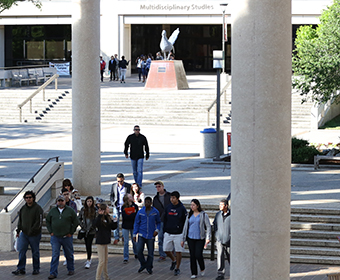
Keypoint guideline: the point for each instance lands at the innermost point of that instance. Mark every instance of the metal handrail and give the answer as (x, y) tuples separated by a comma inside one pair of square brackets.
[(31, 180), (42, 87), (24, 67), (224, 89)]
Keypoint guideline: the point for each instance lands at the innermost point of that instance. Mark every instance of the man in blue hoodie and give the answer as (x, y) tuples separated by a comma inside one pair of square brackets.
[(147, 225), (174, 219)]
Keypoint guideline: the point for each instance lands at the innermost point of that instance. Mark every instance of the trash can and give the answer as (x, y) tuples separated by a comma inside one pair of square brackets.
[(208, 148)]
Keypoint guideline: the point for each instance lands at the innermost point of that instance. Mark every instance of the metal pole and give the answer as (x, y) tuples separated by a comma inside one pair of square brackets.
[(218, 95)]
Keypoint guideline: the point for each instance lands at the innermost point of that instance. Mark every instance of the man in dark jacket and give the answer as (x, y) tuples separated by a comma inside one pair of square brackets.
[(118, 190), (137, 143), (29, 224), (174, 219), (160, 202), (61, 223), (112, 67)]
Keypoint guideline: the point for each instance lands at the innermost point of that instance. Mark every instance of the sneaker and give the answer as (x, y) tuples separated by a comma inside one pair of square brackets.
[(219, 277), (51, 276), (88, 264), (177, 272), (141, 269), (115, 242), (161, 259), (202, 273), (193, 276), (173, 265), (35, 272), (149, 270), (65, 263), (125, 261), (19, 272)]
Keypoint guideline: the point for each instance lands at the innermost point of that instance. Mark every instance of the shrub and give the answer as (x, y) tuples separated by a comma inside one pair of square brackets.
[(302, 152)]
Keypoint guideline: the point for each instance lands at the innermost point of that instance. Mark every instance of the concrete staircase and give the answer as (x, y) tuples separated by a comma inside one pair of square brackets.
[(129, 106), (313, 236)]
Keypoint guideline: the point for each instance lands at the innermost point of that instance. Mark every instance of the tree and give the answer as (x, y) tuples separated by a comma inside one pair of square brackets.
[(316, 58), (6, 4)]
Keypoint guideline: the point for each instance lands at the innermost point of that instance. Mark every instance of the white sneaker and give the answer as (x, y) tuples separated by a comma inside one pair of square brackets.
[(88, 264), (193, 276), (65, 263), (202, 272)]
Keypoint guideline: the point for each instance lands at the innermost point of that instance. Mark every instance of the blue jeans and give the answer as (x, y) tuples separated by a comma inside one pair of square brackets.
[(126, 243), (150, 244), (160, 241), (67, 243), (116, 231), (23, 242), (137, 169)]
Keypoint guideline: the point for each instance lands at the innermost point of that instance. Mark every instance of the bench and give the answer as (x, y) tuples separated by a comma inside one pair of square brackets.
[(22, 75), (317, 159), (40, 74)]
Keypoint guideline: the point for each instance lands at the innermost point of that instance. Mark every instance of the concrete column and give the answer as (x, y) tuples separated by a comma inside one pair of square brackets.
[(86, 96), (261, 131)]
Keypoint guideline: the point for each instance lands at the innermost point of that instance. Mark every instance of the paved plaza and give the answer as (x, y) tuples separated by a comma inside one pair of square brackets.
[(175, 160)]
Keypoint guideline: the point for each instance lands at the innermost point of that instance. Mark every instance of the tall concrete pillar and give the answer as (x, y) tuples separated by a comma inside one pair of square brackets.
[(86, 96), (261, 129)]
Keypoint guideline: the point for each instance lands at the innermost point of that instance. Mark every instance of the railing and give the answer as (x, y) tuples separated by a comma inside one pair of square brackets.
[(224, 89), (31, 180), (42, 87)]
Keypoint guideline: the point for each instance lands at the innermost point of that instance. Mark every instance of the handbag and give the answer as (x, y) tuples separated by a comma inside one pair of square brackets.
[(81, 234)]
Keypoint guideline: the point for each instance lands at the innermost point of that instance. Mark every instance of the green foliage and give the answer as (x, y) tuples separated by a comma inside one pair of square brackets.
[(6, 4), (302, 152), (332, 124), (316, 58)]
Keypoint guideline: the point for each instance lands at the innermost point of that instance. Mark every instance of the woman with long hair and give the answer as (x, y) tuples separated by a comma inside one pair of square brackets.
[(197, 232), (74, 193), (129, 211), (86, 217), (104, 225), (138, 195)]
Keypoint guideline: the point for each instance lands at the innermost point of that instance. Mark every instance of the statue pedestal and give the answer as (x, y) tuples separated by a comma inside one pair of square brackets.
[(167, 74)]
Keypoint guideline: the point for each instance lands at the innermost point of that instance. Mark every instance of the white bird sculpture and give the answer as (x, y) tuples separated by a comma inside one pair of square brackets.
[(168, 44)]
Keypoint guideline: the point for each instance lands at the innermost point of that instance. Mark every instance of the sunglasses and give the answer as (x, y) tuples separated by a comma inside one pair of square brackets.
[(28, 197), (60, 200)]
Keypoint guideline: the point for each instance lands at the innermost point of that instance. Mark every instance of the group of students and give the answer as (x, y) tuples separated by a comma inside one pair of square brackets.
[(166, 217), (143, 218), (117, 68)]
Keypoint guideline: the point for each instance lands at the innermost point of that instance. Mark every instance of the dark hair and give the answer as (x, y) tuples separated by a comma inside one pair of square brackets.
[(225, 201), (136, 126), (103, 206), (138, 191), (175, 194), (123, 57), (199, 208), (148, 198), (120, 175), (89, 212), (30, 193), (64, 190), (67, 182)]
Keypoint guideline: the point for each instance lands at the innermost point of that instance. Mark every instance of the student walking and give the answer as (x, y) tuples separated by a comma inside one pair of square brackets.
[(197, 232), (104, 225), (174, 219), (87, 216), (138, 195), (29, 233), (222, 233), (61, 222), (147, 224), (129, 211)]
